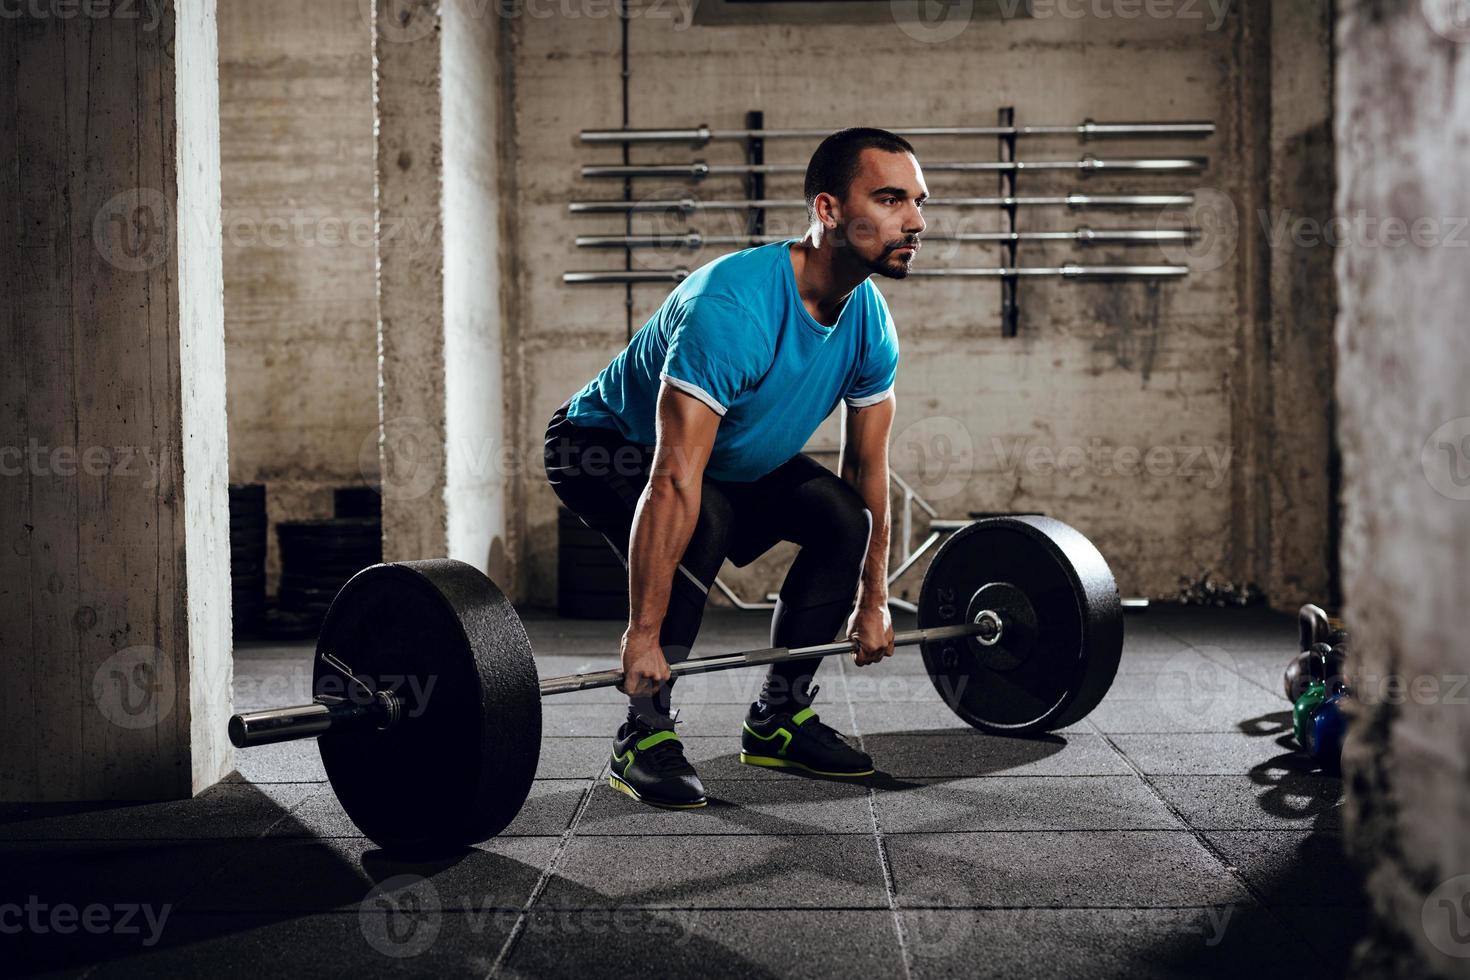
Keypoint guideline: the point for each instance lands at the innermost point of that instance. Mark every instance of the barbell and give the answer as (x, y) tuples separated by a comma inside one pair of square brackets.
[(427, 707)]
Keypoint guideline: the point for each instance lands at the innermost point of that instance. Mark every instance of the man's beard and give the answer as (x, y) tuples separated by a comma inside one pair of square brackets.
[(886, 264), (889, 266)]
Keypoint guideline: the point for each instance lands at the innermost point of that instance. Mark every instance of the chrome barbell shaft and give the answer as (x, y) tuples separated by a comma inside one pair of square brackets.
[(752, 658)]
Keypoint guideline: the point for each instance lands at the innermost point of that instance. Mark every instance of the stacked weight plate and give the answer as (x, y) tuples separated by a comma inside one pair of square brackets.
[(361, 501), (319, 556), (591, 582), (247, 556)]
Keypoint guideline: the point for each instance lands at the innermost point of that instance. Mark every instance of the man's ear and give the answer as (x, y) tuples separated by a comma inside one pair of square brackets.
[(829, 211)]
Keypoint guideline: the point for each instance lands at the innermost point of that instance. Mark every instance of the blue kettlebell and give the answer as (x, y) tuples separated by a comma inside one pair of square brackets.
[(1328, 726)]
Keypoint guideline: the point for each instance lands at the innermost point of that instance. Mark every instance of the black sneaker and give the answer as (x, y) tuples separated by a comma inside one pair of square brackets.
[(648, 764), (783, 740)]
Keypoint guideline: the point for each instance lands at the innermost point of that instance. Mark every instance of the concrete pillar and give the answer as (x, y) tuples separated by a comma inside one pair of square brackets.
[(1403, 123), (1297, 541), (114, 575), (447, 464)]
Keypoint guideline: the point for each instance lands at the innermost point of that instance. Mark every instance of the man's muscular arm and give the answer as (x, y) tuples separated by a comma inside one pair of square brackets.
[(663, 523), (864, 464)]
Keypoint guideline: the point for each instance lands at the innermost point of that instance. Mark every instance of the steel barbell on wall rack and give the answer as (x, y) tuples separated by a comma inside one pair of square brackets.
[(689, 205), (1000, 272), (427, 706), (698, 169), (1087, 236), (1087, 129)]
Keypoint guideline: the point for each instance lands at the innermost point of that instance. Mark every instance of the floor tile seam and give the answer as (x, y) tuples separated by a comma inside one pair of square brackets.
[(890, 888), (189, 893), (518, 929), (1196, 647), (1256, 896)]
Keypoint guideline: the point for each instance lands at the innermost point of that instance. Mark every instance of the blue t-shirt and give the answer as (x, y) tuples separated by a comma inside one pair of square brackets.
[(736, 335)]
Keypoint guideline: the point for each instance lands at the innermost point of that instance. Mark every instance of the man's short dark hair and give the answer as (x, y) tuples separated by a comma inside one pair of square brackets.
[(835, 163)]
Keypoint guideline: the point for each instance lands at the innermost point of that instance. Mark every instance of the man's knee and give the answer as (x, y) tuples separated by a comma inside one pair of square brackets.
[(848, 523)]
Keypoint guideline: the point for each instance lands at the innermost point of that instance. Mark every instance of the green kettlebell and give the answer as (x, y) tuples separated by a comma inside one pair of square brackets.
[(1301, 712)]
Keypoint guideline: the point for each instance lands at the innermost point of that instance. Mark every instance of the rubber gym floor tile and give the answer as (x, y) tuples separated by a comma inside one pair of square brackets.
[(1331, 932), (572, 758), (273, 683), (1293, 867), (1215, 753), (339, 875), (717, 758), (81, 873), (1021, 803), (794, 805), (281, 762), (1144, 651), (744, 871), (225, 810), (1083, 869), (1225, 941), (911, 716), (1267, 799), (582, 720), (547, 813), (252, 651), (1193, 675), (396, 939), (700, 943), (880, 686), (1200, 713), (966, 752)]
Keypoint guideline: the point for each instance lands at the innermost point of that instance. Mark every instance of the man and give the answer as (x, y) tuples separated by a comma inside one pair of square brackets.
[(686, 450)]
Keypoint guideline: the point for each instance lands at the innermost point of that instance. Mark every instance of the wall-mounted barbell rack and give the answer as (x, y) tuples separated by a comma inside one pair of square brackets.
[(1008, 167)]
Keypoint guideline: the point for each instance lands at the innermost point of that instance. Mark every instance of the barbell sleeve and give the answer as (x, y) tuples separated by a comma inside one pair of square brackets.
[(307, 720)]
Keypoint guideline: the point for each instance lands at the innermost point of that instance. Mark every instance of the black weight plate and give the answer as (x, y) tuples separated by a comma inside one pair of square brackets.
[(359, 501), (1079, 636), (330, 528), (357, 557), (458, 767), (247, 496), (285, 624), (342, 566)]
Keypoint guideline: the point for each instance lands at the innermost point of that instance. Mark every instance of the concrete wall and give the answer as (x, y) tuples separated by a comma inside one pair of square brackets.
[(296, 111), (1238, 483), (442, 87), (114, 607), (1403, 91)]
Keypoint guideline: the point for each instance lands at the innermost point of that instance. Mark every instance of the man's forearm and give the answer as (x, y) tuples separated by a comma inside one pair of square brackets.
[(662, 526), (872, 486)]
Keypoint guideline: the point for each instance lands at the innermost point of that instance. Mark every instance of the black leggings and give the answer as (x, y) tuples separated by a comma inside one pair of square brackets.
[(600, 476)]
